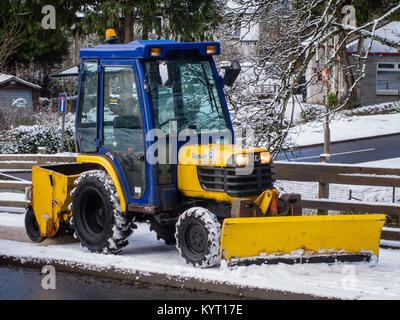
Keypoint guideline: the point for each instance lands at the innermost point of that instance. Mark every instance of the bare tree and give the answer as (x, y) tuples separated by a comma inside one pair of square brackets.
[(293, 38), (10, 40)]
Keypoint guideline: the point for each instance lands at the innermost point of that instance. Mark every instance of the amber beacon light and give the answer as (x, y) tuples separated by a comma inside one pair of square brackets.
[(155, 52), (211, 49)]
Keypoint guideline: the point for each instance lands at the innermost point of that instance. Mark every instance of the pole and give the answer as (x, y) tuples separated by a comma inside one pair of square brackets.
[(62, 107), (327, 133), (323, 188), (62, 132)]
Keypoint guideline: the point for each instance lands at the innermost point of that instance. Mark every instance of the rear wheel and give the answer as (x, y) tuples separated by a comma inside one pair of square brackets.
[(96, 213), (197, 236), (32, 227)]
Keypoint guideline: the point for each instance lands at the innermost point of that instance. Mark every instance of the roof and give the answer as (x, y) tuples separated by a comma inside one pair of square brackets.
[(4, 78), (141, 49), (390, 31), (70, 72)]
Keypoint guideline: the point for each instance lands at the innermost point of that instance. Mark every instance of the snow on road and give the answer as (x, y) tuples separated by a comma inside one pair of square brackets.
[(146, 254)]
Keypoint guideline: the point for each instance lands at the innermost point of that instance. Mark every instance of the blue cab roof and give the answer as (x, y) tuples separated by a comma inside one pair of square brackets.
[(141, 49)]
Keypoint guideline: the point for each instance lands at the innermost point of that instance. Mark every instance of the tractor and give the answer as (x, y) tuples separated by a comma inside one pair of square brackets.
[(156, 145)]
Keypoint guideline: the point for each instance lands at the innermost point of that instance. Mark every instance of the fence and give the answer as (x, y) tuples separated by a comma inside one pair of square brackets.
[(301, 177), (16, 172), (350, 175)]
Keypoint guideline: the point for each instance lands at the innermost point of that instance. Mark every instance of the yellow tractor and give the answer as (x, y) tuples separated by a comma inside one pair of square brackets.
[(156, 145)]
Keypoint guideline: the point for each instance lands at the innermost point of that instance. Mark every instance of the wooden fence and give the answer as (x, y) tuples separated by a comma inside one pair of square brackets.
[(345, 175), (16, 167)]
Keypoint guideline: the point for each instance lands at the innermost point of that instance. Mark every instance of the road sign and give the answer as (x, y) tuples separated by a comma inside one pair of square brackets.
[(62, 103)]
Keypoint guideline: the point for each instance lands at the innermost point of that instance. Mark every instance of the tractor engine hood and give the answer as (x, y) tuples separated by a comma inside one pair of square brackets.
[(220, 155), (223, 172)]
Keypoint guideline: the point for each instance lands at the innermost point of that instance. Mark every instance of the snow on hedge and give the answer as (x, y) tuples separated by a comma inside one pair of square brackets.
[(46, 133)]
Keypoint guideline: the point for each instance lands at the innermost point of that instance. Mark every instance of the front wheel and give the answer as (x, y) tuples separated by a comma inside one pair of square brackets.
[(198, 234)]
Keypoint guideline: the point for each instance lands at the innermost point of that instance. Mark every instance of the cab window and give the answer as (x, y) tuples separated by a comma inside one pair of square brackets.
[(88, 104), (122, 125)]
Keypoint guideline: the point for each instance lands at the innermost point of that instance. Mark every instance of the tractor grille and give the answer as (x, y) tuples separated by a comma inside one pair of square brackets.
[(221, 179)]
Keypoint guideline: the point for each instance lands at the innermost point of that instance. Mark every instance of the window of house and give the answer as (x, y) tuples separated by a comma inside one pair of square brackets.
[(388, 78)]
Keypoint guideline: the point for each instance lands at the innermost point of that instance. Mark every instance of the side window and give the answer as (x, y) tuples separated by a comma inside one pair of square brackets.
[(122, 119), (87, 111), (123, 132)]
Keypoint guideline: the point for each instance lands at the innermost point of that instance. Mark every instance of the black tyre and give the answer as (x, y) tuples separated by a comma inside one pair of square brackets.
[(32, 227), (96, 214), (198, 234)]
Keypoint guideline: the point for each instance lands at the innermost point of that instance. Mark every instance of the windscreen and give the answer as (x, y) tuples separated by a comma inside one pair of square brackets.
[(191, 98)]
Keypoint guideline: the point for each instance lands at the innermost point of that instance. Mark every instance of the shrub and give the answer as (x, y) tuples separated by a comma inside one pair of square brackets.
[(332, 100), (45, 133)]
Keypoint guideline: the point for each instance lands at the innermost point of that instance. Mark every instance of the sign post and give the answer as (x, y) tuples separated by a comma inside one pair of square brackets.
[(62, 107)]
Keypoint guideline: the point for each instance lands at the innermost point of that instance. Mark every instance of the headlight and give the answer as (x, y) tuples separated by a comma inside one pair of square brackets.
[(242, 159), (265, 157)]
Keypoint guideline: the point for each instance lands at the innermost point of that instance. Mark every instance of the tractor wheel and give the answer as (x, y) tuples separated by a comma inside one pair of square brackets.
[(96, 214), (197, 236), (32, 227)]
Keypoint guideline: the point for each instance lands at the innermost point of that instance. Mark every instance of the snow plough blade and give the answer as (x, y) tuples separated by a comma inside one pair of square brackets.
[(299, 239)]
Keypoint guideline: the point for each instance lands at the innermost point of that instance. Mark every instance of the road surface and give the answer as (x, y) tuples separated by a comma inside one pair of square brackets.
[(17, 283), (352, 152)]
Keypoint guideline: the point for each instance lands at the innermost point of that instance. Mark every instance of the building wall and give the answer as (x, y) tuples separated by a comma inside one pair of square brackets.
[(368, 90), (9, 92)]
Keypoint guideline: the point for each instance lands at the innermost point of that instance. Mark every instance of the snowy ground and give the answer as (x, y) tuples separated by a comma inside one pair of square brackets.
[(146, 254), (345, 128)]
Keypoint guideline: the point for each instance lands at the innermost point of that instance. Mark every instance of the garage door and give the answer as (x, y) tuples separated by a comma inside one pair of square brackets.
[(8, 96)]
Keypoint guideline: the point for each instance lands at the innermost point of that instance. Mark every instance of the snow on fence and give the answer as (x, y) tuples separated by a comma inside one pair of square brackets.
[(338, 187)]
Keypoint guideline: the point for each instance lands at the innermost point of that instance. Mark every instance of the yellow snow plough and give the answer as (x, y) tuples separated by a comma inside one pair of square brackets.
[(156, 145)]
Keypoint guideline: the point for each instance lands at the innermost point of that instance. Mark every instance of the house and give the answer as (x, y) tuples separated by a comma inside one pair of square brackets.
[(382, 71), (17, 92), (382, 74)]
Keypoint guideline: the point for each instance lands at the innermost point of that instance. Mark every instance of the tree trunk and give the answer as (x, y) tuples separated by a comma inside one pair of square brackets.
[(129, 22), (145, 31)]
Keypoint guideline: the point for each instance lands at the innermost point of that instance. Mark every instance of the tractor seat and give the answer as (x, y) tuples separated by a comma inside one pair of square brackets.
[(127, 122), (128, 133)]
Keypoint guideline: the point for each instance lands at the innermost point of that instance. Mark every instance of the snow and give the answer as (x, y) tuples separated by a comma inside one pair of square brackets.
[(390, 32), (345, 128), (387, 163), (145, 254), (11, 220), (12, 196)]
